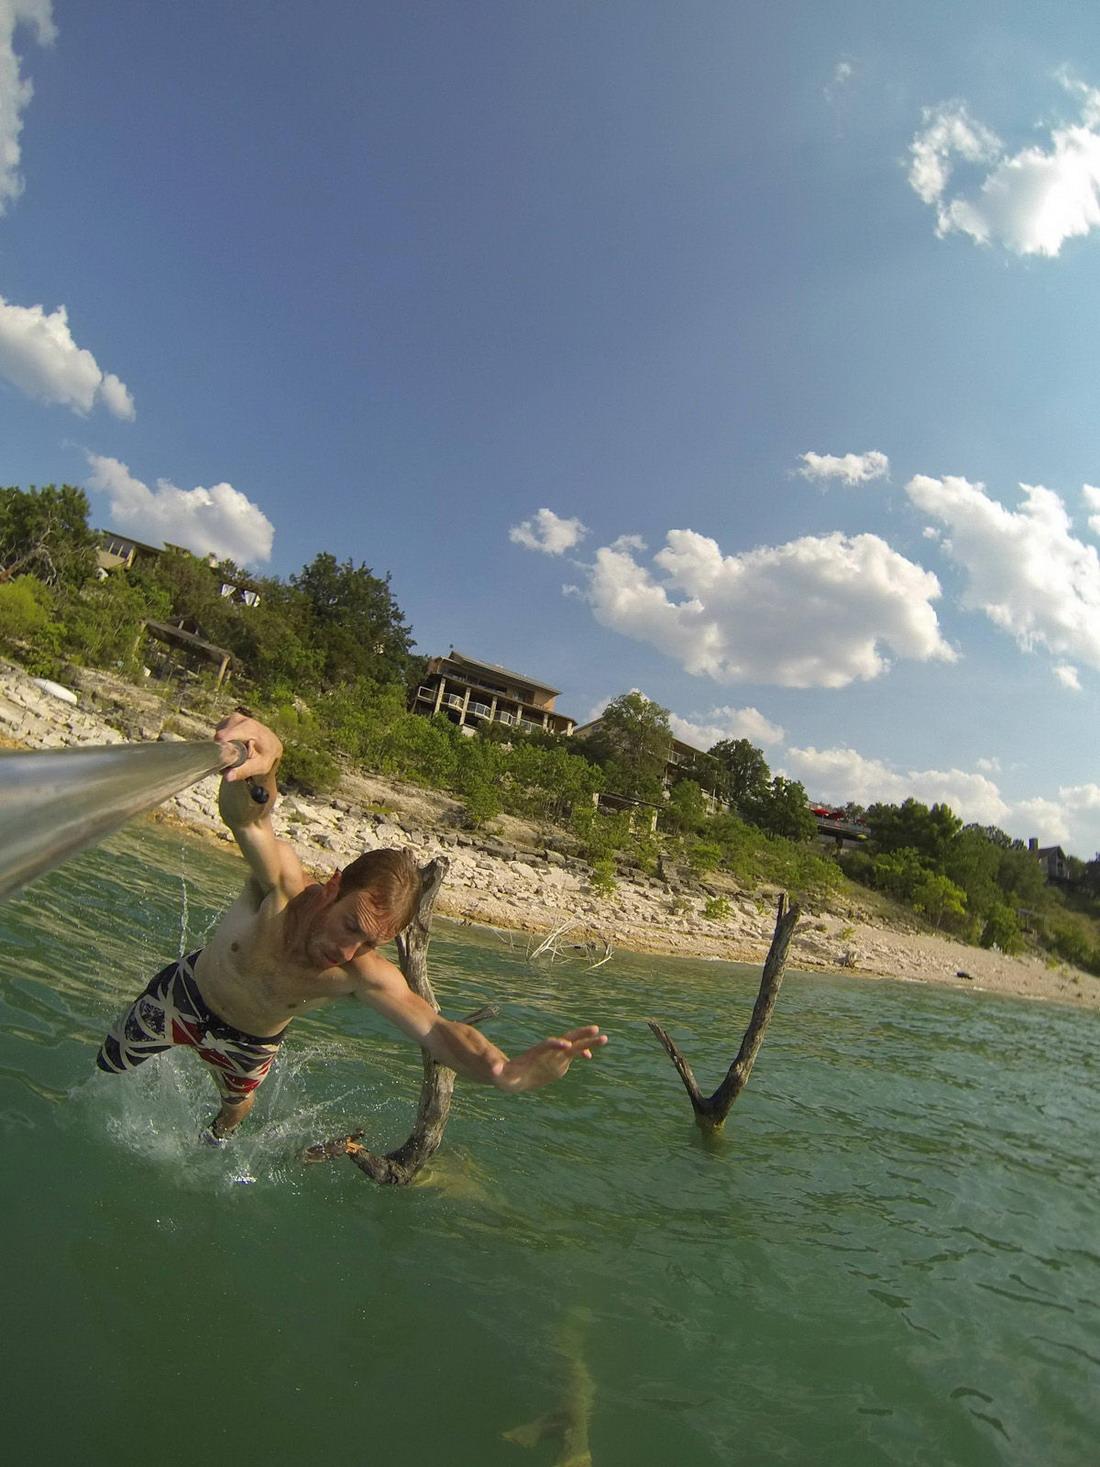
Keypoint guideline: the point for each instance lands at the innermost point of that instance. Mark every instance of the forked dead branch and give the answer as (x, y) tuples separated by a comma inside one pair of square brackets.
[(711, 1110), (397, 1168)]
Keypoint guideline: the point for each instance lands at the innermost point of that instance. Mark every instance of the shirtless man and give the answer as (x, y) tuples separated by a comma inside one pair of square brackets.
[(287, 945)]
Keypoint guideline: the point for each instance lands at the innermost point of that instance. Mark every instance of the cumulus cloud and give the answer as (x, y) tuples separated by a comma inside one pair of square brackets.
[(988, 766), (547, 532), (1067, 676), (1025, 569), (842, 774), (816, 612), (849, 468), (705, 729), (1046, 819), (1085, 795), (39, 356), (15, 90), (1091, 496), (1030, 202), (220, 519)]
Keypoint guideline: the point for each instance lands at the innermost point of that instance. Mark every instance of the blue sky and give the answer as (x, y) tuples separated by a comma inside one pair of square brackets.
[(698, 348)]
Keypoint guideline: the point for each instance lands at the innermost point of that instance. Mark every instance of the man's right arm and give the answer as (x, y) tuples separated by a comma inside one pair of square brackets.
[(246, 800)]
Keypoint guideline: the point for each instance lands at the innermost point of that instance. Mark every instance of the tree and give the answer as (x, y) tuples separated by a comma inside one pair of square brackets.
[(937, 897), (914, 826), (743, 773), (26, 618), (782, 808), (354, 622), (45, 532), (687, 807), (632, 745)]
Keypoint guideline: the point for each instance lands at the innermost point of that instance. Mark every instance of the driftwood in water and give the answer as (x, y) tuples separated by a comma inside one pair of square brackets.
[(397, 1168), (711, 1111)]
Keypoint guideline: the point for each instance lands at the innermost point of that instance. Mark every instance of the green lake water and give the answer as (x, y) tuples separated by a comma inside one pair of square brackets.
[(892, 1257)]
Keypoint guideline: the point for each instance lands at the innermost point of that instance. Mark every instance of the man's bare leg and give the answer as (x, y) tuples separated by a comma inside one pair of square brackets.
[(230, 1116)]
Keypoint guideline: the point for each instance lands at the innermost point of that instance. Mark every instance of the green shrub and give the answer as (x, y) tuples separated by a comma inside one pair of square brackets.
[(310, 769), (717, 909), (481, 803), (602, 880), (27, 623), (704, 856), (1002, 929)]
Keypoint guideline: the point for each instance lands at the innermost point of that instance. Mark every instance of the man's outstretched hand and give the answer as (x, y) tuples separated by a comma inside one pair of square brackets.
[(264, 747), (549, 1060)]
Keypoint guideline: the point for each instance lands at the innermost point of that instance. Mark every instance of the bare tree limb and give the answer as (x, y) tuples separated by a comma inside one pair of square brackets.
[(398, 1167), (711, 1111)]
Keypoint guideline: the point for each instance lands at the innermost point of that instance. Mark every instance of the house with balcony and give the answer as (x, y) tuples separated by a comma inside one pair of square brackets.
[(472, 693), (121, 552)]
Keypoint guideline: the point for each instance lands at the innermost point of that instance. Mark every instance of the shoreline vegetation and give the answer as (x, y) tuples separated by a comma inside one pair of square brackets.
[(515, 880)]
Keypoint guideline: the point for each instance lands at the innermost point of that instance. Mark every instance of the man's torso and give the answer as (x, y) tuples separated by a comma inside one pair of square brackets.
[(247, 972)]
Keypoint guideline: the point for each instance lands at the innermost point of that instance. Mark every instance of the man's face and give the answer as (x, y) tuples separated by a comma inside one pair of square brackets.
[(346, 928)]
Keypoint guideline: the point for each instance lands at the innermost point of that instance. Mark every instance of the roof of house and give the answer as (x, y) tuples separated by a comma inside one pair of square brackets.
[(169, 633), (130, 540), (455, 656), (1051, 851)]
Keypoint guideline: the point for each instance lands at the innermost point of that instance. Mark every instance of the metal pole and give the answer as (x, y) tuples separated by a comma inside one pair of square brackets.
[(55, 802)]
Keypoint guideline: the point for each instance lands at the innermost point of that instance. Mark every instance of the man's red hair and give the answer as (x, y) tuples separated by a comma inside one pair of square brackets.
[(392, 879)]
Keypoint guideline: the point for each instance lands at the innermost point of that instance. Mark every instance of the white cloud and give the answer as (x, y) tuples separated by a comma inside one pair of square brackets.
[(705, 729), (949, 130), (220, 519), (547, 532), (1024, 569), (1087, 796), (39, 356), (817, 612), (1091, 496), (988, 766), (1067, 676), (15, 91), (850, 468), (843, 72), (1032, 201), (842, 774), (1045, 819)]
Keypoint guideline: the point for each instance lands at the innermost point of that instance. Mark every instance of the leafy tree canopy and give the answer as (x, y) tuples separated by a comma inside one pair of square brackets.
[(45, 533), (632, 745), (743, 775), (354, 622)]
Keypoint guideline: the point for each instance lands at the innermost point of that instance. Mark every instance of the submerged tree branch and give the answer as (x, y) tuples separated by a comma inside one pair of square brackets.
[(397, 1168), (711, 1111)]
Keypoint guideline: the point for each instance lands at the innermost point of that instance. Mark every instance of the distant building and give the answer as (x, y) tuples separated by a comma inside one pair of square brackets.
[(1051, 858), (122, 552), (682, 761), (471, 693)]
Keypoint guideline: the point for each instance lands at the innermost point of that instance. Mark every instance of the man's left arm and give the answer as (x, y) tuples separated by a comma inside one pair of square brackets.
[(460, 1046)]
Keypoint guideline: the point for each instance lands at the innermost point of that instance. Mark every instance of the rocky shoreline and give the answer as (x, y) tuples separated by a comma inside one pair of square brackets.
[(518, 880)]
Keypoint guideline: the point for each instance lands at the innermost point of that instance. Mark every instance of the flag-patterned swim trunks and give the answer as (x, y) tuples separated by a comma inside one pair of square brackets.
[(172, 1011)]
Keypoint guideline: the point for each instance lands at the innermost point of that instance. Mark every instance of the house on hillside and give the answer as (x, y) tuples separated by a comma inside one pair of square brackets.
[(682, 761), (121, 552), (1051, 858), (471, 693)]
